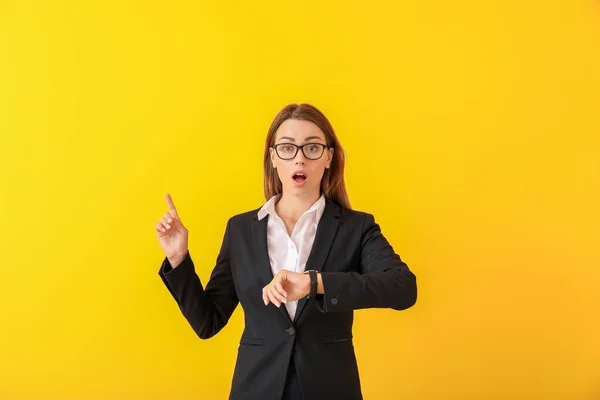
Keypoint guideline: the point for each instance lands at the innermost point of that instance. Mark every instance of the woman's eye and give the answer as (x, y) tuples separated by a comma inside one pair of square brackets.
[(313, 149), (287, 148)]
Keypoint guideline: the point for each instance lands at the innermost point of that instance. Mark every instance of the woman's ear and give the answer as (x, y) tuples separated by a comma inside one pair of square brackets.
[(330, 157), (272, 153)]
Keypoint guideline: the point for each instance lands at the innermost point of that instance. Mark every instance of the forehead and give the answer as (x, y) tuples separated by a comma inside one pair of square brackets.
[(299, 130)]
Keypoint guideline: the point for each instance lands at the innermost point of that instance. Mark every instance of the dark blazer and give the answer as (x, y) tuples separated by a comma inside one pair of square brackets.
[(359, 270)]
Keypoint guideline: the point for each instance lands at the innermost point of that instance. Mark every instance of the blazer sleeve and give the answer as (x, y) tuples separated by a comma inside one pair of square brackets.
[(385, 281), (206, 310)]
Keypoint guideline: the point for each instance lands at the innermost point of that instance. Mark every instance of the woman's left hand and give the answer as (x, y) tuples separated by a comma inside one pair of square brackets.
[(286, 286)]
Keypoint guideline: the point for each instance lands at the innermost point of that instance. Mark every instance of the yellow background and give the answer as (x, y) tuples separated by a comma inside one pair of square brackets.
[(472, 131)]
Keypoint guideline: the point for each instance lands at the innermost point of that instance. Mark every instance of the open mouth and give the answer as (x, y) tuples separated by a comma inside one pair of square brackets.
[(299, 178)]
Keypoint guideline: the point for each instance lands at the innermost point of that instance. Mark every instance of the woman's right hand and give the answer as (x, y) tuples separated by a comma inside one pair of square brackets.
[(172, 235)]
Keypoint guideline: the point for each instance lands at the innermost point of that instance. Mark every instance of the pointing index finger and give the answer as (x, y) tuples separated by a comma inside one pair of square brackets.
[(171, 206)]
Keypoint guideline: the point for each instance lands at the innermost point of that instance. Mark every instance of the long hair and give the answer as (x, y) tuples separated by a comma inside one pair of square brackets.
[(332, 183)]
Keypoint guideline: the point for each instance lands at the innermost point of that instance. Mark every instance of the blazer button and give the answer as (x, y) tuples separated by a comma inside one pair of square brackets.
[(334, 301), (291, 331)]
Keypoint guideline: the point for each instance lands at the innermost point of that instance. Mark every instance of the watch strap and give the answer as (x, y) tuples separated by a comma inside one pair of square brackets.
[(314, 281)]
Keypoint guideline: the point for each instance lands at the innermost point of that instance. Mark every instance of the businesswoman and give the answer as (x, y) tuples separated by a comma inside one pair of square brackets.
[(299, 265)]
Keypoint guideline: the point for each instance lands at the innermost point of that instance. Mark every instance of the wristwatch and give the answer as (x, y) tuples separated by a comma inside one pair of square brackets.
[(313, 283)]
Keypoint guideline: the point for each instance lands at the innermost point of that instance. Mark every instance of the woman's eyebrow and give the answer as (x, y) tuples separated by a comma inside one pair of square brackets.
[(305, 139)]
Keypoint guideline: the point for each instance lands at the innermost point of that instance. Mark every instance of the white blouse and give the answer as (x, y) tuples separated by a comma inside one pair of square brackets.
[(290, 252)]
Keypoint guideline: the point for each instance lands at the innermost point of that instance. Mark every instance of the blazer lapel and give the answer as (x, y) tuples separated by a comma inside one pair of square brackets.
[(261, 248), (326, 231)]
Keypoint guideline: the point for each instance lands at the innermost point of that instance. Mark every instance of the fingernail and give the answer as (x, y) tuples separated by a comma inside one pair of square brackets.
[(169, 220), (162, 229), (168, 226)]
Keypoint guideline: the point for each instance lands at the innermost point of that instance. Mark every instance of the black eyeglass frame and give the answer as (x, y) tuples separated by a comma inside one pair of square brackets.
[(323, 146)]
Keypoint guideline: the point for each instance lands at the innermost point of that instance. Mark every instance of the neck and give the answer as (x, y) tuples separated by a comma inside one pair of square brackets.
[(292, 207)]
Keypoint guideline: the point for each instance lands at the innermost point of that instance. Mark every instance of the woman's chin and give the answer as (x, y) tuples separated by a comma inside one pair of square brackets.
[(295, 188)]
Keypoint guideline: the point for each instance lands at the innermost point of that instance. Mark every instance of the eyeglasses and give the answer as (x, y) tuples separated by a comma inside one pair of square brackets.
[(287, 151)]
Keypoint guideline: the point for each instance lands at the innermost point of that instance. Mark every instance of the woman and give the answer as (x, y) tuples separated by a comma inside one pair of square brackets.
[(305, 249)]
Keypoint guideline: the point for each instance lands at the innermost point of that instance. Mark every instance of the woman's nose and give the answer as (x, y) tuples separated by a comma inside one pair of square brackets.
[(300, 157)]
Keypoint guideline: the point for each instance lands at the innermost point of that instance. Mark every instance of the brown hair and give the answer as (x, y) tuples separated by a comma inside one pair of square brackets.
[(332, 183)]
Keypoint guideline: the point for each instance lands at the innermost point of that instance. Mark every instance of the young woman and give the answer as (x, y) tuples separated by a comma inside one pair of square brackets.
[(299, 266)]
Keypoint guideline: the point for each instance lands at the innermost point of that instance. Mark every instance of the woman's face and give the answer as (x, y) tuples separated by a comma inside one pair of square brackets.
[(300, 174)]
